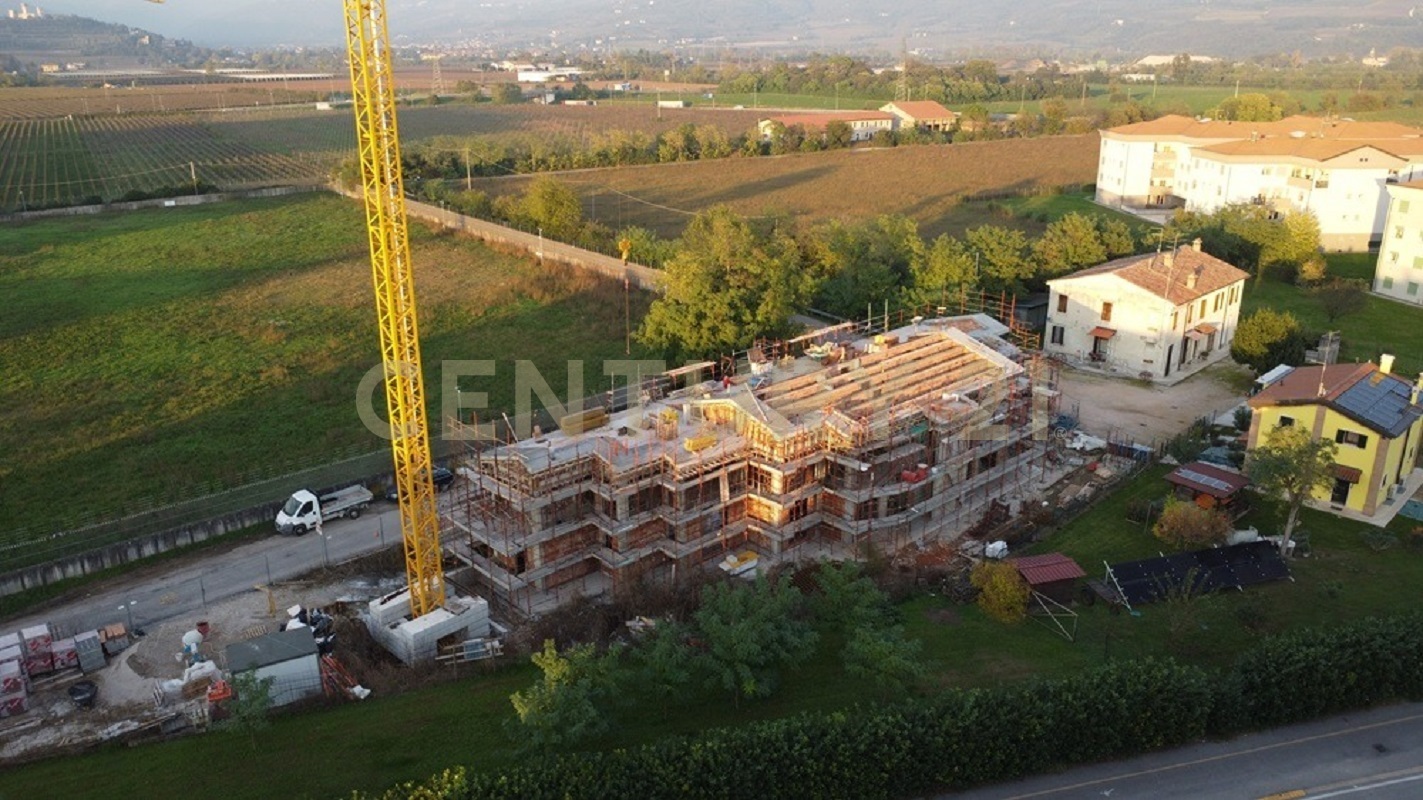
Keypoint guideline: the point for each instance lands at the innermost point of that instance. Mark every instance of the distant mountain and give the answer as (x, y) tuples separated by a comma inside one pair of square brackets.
[(1112, 28)]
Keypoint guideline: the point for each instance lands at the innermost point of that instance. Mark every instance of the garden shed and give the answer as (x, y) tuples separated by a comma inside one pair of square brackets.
[(1210, 487), (289, 658)]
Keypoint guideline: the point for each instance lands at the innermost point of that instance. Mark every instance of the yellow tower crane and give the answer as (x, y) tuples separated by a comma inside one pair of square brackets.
[(383, 190)]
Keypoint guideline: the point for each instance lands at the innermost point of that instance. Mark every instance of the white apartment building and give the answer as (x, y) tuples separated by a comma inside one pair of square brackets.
[(1399, 272), (1159, 316), (1334, 169)]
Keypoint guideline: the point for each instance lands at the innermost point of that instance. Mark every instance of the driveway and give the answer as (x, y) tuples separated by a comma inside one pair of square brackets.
[(1128, 408)]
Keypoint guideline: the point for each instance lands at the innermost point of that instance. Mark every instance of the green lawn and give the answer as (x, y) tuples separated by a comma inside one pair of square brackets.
[(1383, 326), (159, 355)]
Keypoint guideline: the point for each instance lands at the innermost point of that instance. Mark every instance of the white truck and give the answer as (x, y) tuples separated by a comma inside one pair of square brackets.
[(304, 511)]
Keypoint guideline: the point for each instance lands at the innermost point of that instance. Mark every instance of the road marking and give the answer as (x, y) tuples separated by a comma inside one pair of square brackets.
[(1413, 773), (1364, 787), (1221, 757), (1292, 794)]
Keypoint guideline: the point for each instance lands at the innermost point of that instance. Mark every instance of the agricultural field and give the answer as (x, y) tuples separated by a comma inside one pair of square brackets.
[(164, 354), (844, 184), (66, 160), (69, 161)]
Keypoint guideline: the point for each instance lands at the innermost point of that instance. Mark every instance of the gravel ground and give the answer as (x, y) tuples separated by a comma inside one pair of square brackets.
[(1114, 406)]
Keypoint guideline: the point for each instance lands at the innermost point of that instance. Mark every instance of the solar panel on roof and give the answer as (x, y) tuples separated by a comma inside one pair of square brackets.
[(1385, 405), (1204, 480)]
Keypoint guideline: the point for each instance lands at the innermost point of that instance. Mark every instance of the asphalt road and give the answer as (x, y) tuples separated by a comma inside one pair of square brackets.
[(183, 586), (1372, 755)]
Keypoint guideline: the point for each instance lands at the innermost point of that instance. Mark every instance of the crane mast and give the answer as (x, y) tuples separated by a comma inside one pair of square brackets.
[(383, 190)]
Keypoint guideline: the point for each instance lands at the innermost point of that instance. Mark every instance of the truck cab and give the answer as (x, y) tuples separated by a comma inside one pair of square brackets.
[(304, 510)]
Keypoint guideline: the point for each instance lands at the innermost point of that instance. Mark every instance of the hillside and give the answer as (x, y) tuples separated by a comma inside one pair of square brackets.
[(68, 38)]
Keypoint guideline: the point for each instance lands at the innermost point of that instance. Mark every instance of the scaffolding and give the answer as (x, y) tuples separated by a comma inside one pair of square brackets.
[(821, 445)]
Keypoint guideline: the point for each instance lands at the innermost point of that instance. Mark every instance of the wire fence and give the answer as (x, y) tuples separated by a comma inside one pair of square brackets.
[(25, 547)]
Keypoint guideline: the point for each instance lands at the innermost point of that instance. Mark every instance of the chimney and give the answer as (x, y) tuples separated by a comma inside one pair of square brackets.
[(1196, 244), (1386, 363), (1417, 387), (1169, 258), (1191, 278)]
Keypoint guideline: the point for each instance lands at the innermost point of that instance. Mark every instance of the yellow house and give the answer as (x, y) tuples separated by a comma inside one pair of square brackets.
[(1372, 415)]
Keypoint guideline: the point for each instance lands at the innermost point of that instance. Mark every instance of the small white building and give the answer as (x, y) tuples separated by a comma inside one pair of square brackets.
[(924, 114), (1399, 272), (289, 658), (1160, 316)]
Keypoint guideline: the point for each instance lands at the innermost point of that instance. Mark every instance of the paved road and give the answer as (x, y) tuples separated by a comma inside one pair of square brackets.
[(1373, 755), (165, 591)]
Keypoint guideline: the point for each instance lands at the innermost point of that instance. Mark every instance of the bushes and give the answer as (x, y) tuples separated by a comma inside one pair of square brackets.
[(964, 738)]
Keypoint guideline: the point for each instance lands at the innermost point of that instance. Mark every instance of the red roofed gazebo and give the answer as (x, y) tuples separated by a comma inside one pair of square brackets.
[(1209, 486), (1051, 574)]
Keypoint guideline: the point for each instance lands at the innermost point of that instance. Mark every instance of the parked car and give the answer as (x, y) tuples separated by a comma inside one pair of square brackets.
[(443, 478)]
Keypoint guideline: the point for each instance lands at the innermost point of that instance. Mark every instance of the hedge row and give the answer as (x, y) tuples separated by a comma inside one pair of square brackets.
[(969, 737)]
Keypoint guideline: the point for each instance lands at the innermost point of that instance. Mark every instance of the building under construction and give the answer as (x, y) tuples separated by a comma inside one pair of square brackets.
[(817, 448)]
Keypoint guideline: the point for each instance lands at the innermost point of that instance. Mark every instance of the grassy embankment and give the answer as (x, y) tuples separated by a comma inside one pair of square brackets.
[(169, 353)]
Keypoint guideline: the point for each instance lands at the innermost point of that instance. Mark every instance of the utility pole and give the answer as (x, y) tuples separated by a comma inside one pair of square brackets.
[(193, 172), (468, 185)]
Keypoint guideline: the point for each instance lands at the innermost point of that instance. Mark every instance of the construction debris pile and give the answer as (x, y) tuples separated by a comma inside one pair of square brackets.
[(896, 439)]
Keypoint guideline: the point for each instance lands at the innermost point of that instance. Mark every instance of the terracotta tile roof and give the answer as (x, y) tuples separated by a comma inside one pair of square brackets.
[(1312, 127), (1048, 568), (1167, 276), (818, 121), (1303, 384), (920, 109), (1377, 400), (1311, 149), (1198, 476)]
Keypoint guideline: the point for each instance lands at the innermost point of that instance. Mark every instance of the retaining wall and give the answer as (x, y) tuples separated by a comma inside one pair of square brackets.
[(141, 547)]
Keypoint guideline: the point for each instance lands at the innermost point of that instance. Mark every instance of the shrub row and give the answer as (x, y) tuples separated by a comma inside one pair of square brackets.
[(969, 737)]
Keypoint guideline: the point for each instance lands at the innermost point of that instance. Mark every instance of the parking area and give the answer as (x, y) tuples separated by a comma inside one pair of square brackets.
[(1125, 408)]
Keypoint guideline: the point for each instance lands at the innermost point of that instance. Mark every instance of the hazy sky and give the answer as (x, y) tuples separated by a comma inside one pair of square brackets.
[(225, 22)]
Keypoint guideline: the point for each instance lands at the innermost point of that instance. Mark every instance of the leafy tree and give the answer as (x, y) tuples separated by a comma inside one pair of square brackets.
[(666, 664), (553, 206), (250, 705), (712, 142), (748, 631), (1295, 243), (507, 94), (1069, 243), (562, 707), (1268, 338), (1116, 237), (1340, 298), (1002, 592), (728, 284), (884, 655), (786, 139), (644, 246), (864, 263), (837, 134), (1251, 107), (946, 269), (1292, 464), (1187, 526), (1000, 254)]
